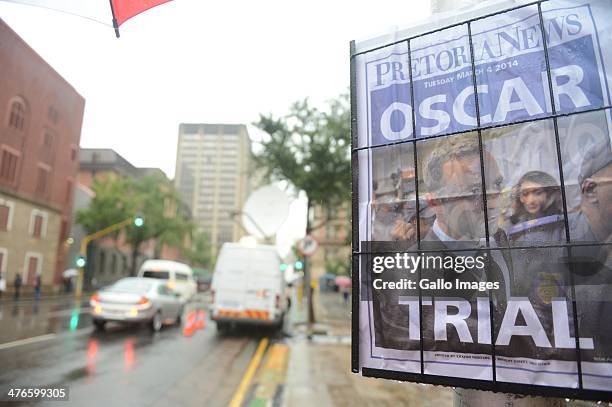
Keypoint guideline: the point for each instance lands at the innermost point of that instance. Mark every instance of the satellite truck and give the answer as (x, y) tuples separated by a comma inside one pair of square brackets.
[(248, 287)]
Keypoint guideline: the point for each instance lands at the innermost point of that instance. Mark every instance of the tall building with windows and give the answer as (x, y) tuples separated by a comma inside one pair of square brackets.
[(213, 167), (40, 129)]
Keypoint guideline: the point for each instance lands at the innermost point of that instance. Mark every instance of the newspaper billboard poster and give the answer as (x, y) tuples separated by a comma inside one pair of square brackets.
[(482, 200)]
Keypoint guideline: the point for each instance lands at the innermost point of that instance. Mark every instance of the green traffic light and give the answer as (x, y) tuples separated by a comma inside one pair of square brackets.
[(74, 320), (298, 265), (80, 261), (283, 266), (138, 221)]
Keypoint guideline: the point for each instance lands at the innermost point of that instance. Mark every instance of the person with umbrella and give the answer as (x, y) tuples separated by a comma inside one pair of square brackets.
[(344, 283), (68, 275)]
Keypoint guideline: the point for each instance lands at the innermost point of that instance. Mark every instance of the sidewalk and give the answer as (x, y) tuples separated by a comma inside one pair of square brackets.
[(319, 370)]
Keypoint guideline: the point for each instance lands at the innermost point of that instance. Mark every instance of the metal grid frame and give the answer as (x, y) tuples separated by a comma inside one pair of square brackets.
[(357, 252)]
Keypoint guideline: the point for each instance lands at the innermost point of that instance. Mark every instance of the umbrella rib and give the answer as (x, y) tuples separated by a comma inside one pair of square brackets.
[(59, 11)]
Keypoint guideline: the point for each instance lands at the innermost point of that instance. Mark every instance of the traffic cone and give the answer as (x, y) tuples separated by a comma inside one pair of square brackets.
[(201, 323), (190, 323)]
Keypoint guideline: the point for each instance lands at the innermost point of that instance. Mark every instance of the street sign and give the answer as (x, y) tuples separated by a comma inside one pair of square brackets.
[(308, 245)]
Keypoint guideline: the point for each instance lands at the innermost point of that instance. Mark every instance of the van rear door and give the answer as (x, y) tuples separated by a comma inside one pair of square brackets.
[(230, 285), (261, 293)]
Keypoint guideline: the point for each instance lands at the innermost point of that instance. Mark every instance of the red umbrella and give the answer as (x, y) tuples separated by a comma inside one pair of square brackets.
[(98, 11), (343, 281), (125, 9)]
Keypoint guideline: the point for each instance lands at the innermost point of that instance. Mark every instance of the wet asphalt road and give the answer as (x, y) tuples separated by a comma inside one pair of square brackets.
[(53, 343)]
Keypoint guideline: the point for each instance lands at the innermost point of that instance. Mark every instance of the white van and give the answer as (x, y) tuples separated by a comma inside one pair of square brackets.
[(248, 287), (179, 276)]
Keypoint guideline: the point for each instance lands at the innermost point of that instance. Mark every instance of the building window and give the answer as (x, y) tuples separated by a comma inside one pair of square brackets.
[(38, 221), (48, 140), (32, 267), (53, 115), (3, 260), (8, 167), (6, 215), (18, 114), (43, 181), (38, 224)]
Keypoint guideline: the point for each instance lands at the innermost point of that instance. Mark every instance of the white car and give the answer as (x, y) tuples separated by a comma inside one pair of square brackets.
[(178, 276), (248, 287), (136, 300)]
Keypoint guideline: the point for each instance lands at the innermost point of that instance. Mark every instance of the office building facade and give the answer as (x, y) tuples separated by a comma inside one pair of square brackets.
[(213, 168)]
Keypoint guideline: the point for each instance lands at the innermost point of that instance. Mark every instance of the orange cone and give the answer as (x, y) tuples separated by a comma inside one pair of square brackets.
[(190, 324), (201, 323)]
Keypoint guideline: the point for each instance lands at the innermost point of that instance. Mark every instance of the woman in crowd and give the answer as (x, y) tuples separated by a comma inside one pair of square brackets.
[(537, 212), (537, 219)]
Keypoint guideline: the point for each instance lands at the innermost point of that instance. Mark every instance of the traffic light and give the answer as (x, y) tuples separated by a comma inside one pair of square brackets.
[(138, 221), (298, 265), (74, 320), (283, 266), (81, 261)]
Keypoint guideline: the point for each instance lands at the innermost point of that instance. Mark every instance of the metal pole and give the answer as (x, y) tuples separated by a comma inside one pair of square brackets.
[(308, 294), (470, 398), (115, 24), (308, 291)]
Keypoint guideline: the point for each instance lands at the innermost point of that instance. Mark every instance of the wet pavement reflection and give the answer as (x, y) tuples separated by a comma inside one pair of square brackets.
[(54, 343)]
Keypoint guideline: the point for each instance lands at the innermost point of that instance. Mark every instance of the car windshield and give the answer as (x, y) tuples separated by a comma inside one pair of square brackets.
[(162, 275), (131, 285)]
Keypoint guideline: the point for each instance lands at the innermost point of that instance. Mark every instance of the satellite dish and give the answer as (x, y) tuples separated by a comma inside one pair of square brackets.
[(265, 211)]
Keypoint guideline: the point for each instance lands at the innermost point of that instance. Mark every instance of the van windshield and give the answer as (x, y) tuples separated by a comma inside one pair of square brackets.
[(162, 275)]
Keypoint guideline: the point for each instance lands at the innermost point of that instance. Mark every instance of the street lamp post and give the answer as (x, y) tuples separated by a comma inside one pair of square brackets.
[(81, 261)]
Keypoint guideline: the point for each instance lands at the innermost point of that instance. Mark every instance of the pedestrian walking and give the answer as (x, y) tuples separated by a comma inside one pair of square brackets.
[(345, 294), (37, 286), (18, 282)]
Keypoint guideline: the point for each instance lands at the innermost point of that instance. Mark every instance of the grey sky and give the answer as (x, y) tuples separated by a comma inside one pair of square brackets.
[(201, 61)]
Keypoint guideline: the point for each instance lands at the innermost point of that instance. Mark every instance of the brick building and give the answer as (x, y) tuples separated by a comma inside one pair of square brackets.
[(40, 128), (334, 249)]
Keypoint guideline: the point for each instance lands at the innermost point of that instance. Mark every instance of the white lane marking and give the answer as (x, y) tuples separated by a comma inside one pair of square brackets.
[(41, 338), (27, 341), (68, 312)]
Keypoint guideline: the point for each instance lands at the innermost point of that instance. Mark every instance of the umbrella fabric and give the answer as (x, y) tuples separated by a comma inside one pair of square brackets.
[(126, 9), (343, 281), (70, 273), (98, 11)]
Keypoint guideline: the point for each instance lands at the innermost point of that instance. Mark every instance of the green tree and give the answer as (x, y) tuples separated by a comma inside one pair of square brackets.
[(152, 196), (113, 202), (310, 149), (337, 267), (199, 253), (161, 206)]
